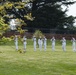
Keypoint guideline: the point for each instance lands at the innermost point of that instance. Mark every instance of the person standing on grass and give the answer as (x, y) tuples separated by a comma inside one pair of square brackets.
[(40, 43), (63, 44), (24, 42), (34, 44), (73, 44), (45, 43), (16, 42), (53, 43)]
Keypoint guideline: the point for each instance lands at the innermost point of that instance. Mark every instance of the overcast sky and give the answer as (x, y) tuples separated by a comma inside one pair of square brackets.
[(72, 10)]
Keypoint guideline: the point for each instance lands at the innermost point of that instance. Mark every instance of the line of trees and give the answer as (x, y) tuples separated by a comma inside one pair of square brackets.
[(14, 10), (36, 14), (50, 14)]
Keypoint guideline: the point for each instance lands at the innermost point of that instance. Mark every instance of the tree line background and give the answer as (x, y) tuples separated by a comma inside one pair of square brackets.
[(44, 15)]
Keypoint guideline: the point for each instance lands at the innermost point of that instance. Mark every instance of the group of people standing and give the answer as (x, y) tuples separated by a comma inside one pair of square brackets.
[(63, 40), (24, 40), (42, 42)]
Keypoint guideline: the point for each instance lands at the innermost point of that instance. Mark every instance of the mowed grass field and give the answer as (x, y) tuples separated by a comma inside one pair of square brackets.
[(37, 63)]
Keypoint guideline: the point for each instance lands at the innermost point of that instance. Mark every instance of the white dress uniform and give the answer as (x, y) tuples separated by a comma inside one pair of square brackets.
[(45, 43), (53, 43), (73, 44), (40, 43), (63, 44), (24, 42), (34, 40), (16, 42)]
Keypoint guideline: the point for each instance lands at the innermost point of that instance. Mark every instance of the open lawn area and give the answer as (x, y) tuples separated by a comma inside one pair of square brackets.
[(37, 63)]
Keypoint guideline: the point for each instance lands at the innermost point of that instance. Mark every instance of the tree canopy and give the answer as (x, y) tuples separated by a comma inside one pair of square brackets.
[(50, 14), (36, 14), (17, 11)]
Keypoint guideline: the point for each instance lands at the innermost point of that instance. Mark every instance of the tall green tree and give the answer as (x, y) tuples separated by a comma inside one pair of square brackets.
[(49, 14), (15, 9)]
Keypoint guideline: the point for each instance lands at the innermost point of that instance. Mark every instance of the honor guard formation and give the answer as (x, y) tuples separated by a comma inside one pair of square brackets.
[(41, 43)]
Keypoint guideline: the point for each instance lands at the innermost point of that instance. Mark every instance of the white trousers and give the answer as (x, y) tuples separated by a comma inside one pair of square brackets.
[(16, 45), (24, 43), (73, 46), (34, 46), (45, 47), (64, 46), (53, 46), (40, 47)]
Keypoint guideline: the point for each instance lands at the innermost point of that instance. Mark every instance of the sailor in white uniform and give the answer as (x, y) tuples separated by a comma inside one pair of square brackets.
[(45, 43), (34, 44), (73, 43), (40, 43), (63, 44), (24, 42), (53, 43), (16, 42)]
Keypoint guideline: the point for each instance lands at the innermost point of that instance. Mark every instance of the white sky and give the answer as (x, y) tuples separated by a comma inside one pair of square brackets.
[(72, 10)]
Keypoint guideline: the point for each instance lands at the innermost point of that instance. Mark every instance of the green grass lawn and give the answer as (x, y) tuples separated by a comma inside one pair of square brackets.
[(37, 63)]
